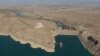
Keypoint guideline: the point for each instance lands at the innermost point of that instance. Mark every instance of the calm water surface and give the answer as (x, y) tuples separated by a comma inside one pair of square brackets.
[(66, 45)]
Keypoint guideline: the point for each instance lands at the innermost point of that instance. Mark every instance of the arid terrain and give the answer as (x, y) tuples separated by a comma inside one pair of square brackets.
[(37, 25)]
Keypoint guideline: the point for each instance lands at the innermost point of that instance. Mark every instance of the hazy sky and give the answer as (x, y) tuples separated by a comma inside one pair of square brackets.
[(48, 1)]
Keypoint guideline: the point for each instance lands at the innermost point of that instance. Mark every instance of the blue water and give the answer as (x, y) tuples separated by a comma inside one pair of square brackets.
[(71, 47)]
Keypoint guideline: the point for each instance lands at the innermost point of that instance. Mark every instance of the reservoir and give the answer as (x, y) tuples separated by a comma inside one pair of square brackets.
[(66, 45)]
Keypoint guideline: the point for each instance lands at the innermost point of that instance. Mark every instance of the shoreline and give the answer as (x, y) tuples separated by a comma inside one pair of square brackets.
[(82, 37), (32, 45)]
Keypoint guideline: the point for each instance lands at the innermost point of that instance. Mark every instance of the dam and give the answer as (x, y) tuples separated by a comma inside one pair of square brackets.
[(34, 37)]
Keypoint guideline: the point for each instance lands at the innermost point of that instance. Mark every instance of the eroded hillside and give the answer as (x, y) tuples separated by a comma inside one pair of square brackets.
[(39, 25)]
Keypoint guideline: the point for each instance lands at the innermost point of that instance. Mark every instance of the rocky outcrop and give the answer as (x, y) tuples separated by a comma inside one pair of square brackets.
[(90, 42), (30, 29)]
